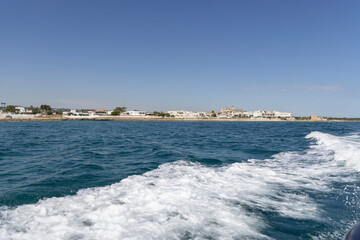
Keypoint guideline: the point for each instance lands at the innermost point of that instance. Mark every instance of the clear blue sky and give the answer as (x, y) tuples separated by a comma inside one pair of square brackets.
[(298, 56)]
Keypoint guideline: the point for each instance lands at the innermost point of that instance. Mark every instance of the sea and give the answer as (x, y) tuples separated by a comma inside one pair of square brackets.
[(178, 180)]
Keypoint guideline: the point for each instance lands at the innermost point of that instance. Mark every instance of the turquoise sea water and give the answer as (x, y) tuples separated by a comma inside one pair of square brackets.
[(178, 180)]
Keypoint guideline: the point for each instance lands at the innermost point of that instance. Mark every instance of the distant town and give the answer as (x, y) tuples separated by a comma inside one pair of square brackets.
[(8, 112)]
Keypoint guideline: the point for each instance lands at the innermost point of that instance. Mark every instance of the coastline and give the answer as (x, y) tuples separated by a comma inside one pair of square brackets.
[(158, 119)]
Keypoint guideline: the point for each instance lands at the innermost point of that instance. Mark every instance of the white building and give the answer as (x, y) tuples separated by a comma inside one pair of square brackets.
[(225, 115), (28, 110), (100, 113), (185, 114), (203, 114), (247, 114), (135, 113), (20, 109), (180, 113), (268, 114), (257, 114), (283, 115), (73, 112)]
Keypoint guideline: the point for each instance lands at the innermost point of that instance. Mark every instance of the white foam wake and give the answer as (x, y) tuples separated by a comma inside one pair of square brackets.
[(345, 148), (185, 200)]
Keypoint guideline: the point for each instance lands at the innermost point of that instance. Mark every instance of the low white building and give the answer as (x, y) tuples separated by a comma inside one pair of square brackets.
[(179, 113), (28, 110), (268, 114), (203, 114), (224, 115), (283, 115), (185, 114), (257, 114), (20, 109), (98, 113), (135, 113), (73, 112), (247, 114)]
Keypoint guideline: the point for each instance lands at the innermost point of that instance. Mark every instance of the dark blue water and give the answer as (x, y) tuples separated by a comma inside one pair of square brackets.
[(202, 180)]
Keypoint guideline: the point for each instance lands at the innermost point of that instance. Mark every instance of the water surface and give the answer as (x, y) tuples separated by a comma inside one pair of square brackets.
[(178, 180)]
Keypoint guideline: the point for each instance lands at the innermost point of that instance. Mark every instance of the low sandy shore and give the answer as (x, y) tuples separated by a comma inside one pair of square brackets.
[(171, 119)]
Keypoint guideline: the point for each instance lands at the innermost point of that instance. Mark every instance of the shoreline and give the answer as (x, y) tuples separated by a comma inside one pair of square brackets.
[(156, 119)]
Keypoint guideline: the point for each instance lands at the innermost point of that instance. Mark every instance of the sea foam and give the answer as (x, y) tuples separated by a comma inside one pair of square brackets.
[(186, 200), (344, 148)]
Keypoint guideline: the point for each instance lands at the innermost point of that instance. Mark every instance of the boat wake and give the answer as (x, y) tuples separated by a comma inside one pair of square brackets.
[(187, 200)]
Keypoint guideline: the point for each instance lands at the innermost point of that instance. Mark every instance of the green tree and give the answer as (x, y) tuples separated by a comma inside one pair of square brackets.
[(120, 109), (45, 107), (213, 114), (115, 113), (10, 108)]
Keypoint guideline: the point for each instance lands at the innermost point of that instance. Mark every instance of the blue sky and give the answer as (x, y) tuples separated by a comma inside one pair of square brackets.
[(296, 56)]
